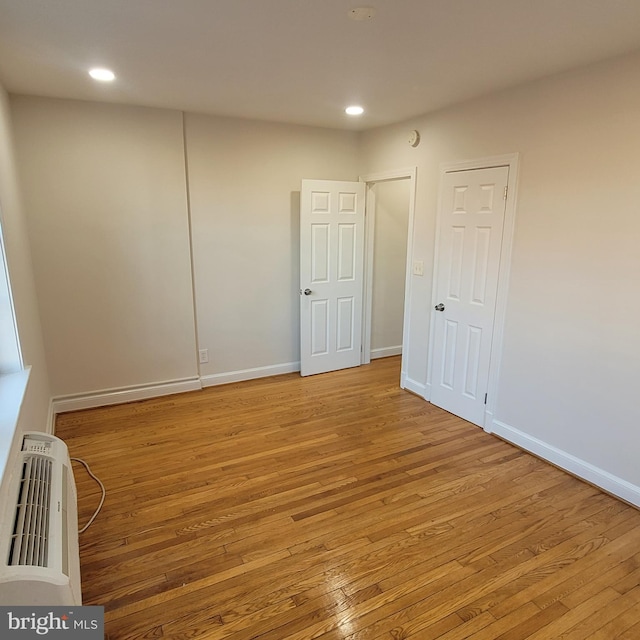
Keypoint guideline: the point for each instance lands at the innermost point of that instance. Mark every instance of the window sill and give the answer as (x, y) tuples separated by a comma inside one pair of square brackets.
[(12, 391)]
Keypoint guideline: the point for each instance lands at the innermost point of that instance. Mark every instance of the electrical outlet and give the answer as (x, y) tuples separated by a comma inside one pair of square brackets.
[(204, 355)]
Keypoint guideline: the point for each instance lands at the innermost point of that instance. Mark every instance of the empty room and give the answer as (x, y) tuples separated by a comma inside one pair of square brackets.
[(319, 319)]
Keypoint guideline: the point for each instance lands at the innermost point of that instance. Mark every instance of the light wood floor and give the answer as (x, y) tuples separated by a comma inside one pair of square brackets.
[(340, 506)]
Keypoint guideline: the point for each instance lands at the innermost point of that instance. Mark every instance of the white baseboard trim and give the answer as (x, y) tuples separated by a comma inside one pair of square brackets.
[(249, 374), (386, 352), (577, 467), (61, 404), (418, 388)]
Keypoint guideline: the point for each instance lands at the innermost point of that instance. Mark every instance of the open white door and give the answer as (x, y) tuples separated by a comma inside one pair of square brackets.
[(331, 275), (471, 221)]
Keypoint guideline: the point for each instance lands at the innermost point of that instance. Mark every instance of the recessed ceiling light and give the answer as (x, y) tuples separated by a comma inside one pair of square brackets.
[(104, 75), (354, 110)]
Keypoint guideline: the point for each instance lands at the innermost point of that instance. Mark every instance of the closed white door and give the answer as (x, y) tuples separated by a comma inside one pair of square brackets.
[(471, 221), (331, 275)]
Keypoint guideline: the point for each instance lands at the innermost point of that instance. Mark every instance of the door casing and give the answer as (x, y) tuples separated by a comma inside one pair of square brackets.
[(370, 181)]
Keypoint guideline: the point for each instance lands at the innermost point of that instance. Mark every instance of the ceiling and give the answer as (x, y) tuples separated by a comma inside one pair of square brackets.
[(303, 61)]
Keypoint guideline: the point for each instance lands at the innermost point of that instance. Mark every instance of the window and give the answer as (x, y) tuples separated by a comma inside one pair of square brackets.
[(13, 378), (10, 357)]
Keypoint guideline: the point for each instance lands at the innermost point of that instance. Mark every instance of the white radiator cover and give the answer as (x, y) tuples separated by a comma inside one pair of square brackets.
[(39, 554)]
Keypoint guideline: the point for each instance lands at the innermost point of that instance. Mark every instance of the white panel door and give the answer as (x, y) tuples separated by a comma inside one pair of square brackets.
[(471, 220), (331, 275)]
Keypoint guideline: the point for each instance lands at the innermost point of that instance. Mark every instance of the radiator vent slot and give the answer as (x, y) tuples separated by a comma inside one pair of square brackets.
[(30, 538)]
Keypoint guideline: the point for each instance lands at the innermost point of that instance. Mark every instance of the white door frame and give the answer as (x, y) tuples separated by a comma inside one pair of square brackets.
[(510, 160), (369, 230)]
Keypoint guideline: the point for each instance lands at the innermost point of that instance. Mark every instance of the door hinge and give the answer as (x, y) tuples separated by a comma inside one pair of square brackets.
[(485, 398), (506, 191)]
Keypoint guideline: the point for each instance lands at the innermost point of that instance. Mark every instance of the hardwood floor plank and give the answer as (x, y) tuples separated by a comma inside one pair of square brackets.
[(602, 622), (449, 628), (339, 506), (632, 633)]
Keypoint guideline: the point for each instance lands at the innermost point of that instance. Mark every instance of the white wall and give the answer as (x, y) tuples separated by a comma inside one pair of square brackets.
[(107, 211), (105, 191), (389, 265), (244, 183), (571, 349), (106, 195)]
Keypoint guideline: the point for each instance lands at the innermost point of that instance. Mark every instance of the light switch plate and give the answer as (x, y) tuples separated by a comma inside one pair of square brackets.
[(418, 268)]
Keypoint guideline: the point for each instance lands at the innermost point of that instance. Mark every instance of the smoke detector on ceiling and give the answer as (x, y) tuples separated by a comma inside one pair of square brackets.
[(361, 14)]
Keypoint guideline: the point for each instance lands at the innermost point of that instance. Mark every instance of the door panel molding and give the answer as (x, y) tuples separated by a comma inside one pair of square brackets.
[(331, 274), (512, 162)]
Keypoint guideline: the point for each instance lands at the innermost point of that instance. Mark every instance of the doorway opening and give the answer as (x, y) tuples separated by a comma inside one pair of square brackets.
[(355, 270), (390, 202)]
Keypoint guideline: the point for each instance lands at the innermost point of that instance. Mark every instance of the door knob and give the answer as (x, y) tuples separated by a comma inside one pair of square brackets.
[(307, 292), (439, 307)]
